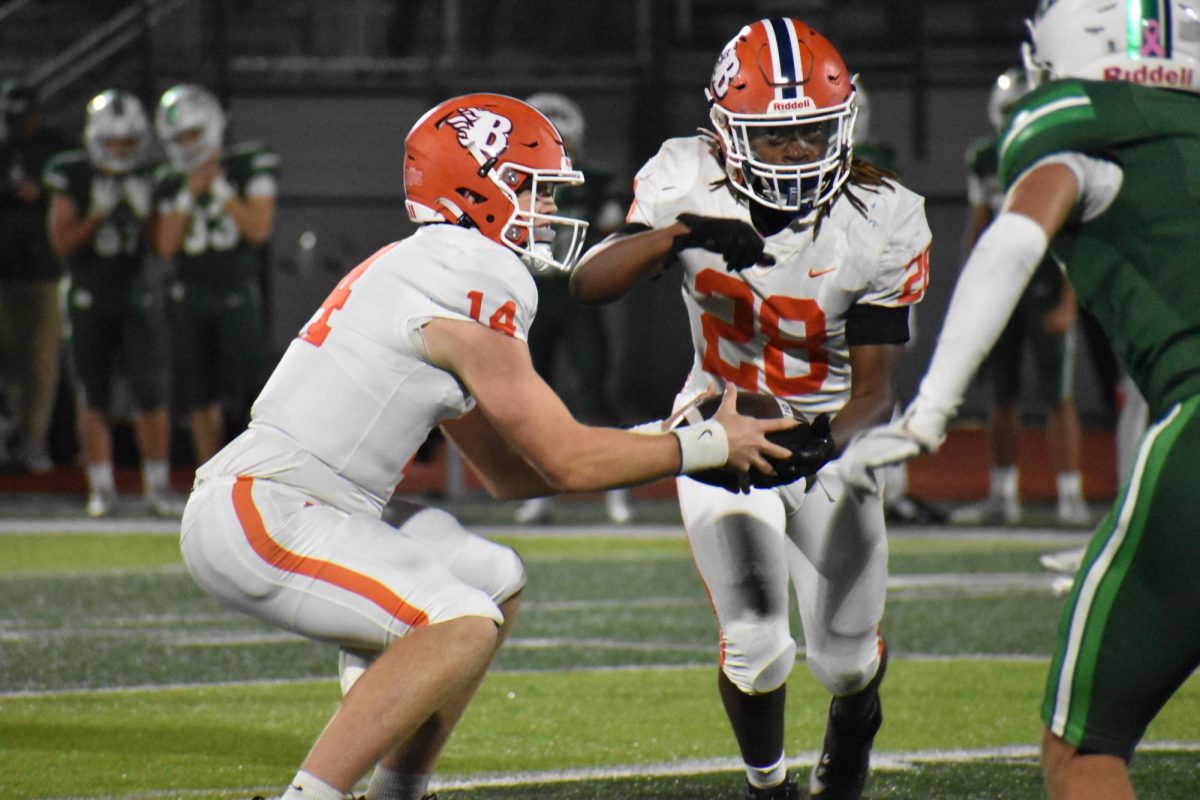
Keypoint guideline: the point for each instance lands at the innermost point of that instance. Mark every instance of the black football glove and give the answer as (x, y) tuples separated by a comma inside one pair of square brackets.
[(812, 447), (737, 241)]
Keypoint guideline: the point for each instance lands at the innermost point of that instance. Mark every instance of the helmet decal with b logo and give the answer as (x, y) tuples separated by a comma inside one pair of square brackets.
[(725, 71), (780, 78), (481, 131)]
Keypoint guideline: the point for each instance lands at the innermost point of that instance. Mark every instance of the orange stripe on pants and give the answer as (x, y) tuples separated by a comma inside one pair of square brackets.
[(279, 556)]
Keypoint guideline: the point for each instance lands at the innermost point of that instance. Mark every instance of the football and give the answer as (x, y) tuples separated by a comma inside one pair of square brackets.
[(761, 406)]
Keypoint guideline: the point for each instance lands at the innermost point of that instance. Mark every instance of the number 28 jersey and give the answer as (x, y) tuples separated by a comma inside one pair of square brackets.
[(781, 330), (355, 395)]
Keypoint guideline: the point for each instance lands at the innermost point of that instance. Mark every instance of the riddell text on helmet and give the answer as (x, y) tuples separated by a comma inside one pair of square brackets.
[(798, 104), (1158, 76)]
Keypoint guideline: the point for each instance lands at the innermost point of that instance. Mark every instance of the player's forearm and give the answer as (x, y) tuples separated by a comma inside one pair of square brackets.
[(613, 267), (987, 291), (255, 218), (69, 237), (862, 411), (169, 230), (606, 458)]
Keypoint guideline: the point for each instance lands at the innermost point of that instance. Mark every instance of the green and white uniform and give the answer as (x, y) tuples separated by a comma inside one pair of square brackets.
[(216, 306), (115, 323), (1053, 353), (1128, 636)]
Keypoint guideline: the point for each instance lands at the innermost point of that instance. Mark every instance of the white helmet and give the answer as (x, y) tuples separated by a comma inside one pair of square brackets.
[(116, 114), (1154, 44), (862, 124), (183, 111), (1009, 87), (566, 115)]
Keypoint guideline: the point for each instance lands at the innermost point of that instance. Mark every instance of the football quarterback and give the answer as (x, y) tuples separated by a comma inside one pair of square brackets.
[(1097, 165), (799, 264), (284, 523)]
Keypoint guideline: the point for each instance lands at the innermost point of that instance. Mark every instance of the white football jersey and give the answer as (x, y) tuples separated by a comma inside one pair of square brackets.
[(355, 395), (781, 330)]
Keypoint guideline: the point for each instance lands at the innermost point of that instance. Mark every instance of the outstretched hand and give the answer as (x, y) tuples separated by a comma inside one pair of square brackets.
[(920, 430), (748, 444)]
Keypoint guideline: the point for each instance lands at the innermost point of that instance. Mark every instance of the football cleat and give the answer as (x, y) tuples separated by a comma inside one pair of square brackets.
[(995, 510), (616, 502), (788, 790), (841, 771), (1065, 562), (101, 503), (1074, 511), (536, 511), (164, 503)]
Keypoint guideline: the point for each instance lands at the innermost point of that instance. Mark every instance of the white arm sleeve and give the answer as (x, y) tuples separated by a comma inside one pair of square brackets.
[(995, 275)]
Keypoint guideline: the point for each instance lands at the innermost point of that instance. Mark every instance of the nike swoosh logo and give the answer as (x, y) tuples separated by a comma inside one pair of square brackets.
[(816, 273), (703, 434)]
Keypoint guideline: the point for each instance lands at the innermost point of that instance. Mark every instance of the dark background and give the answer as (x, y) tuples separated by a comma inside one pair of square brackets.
[(334, 88)]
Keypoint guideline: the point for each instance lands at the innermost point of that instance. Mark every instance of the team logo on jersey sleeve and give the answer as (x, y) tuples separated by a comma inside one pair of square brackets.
[(482, 131)]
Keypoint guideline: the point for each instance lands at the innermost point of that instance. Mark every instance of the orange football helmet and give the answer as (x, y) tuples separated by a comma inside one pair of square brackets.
[(778, 73), (467, 159)]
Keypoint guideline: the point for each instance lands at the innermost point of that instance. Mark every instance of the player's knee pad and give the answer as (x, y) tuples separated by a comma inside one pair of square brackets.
[(489, 566), (352, 663), (843, 673), (758, 658), (510, 575)]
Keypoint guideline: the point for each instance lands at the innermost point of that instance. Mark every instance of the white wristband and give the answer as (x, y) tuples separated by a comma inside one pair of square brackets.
[(652, 428), (702, 446)]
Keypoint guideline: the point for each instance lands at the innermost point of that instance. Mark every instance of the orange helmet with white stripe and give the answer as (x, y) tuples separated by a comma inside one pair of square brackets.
[(780, 74), (467, 159)]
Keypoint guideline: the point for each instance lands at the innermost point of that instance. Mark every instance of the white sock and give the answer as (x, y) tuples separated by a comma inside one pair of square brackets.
[(156, 476), (100, 477), (310, 787), (388, 784), (1070, 485), (1004, 481), (765, 777)]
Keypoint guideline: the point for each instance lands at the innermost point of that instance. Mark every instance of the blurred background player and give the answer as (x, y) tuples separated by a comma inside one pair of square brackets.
[(31, 324), (567, 333), (216, 212), (799, 266), (1098, 164), (284, 523), (898, 505), (1044, 319), (99, 221)]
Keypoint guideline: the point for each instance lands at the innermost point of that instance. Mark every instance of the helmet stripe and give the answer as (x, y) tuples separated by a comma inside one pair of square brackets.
[(784, 53)]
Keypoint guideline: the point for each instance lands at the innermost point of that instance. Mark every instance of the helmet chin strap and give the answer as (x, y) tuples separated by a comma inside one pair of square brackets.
[(458, 216)]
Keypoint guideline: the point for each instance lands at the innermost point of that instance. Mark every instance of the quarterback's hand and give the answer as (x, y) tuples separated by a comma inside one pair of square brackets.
[(737, 241), (749, 447), (106, 193), (921, 429)]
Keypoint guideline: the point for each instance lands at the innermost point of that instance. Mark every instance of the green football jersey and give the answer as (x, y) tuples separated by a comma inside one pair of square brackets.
[(214, 256), (116, 254), (1134, 266)]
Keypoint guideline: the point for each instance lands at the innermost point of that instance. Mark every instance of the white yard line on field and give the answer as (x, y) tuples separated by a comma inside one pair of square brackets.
[(880, 762)]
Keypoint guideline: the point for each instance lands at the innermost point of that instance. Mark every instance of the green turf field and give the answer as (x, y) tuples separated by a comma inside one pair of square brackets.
[(118, 678)]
